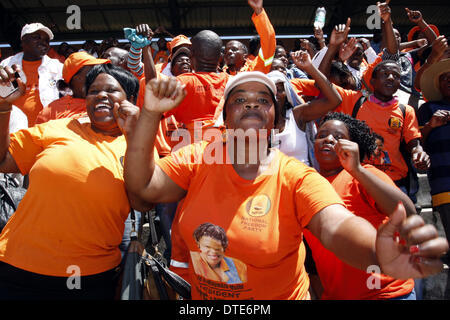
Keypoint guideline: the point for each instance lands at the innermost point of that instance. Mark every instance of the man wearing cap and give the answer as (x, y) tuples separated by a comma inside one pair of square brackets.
[(434, 122), (76, 66), (39, 71)]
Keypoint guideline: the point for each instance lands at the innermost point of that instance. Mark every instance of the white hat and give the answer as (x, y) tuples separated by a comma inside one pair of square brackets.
[(33, 27), (249, 76)]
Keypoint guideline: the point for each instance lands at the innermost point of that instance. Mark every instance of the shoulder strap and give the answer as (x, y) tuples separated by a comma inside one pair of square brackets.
[(358, 105)]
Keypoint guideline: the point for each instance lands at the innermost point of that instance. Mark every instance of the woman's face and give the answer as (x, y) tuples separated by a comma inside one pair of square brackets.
[(211, 250), (327, 136), (181, 64), (250, 106), (100, 99), (281, 94)]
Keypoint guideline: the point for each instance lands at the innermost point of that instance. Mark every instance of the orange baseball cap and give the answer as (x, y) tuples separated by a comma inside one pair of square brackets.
[(417, 29), (76, 61), (177, 41)]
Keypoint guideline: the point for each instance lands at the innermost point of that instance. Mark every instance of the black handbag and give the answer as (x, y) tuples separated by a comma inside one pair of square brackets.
[(145, 276), (11, 193)]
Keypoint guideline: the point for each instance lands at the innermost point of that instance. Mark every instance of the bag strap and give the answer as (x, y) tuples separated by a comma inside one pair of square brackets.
[(358, 105)]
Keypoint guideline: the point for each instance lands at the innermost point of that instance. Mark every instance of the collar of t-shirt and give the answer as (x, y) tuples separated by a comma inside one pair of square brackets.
[(374, 99)]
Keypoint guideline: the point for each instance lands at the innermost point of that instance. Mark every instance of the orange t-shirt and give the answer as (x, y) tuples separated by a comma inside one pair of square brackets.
[(30, 102), (204, 90), (341, 281), (75, 208), (65, 107), (263, 219), (388, 122)]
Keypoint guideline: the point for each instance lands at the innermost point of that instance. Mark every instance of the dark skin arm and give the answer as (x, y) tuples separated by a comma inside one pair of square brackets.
[(417, 18), (438, 48), (149, 64), (337, 38), (387, 27), (146, 183), (386, 196), (7, 162), (439, 118), (318, 107)]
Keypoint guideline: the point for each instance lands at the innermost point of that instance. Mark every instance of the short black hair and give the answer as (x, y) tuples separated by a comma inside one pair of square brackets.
[(253, 45), (211, 230), (359, 132), (381, 64), (127, 80)]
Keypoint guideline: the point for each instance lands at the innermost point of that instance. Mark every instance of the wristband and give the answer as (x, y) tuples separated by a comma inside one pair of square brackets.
[(5, 111)]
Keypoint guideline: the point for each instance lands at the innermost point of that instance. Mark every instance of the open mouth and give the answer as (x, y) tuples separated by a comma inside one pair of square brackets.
[(102, 107)]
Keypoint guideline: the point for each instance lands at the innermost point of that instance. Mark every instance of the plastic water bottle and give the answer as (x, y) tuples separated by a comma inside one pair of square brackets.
[(319, 20)]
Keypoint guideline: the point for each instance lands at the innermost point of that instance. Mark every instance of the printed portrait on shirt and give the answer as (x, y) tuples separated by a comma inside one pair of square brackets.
[(380, 157), (210, 261)]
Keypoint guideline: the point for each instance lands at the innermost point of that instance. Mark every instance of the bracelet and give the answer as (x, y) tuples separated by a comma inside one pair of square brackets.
[(5, 111)]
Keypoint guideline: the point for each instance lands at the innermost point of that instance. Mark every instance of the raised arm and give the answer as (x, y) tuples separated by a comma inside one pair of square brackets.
[(387, 27), (146, 183), (386, 196), (437, 50), (7, 163), (413, 254), (417, 18), (266, 34), (316, 108), (337, 38)]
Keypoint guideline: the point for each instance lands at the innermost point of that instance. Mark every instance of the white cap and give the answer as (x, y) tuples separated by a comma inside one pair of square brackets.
[(249, 76), (33, 27)]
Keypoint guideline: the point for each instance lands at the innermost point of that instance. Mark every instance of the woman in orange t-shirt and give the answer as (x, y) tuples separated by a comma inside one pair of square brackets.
[(263, 201), (63, 240), (342, 143)]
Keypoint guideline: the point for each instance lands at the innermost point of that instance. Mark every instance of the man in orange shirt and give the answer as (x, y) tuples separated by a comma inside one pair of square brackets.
[(75, 70), (40, 72), (236, 53)]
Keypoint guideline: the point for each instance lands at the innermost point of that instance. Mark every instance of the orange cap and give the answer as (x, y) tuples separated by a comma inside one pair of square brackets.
[(76, 61), (177, 41), (417, 29)]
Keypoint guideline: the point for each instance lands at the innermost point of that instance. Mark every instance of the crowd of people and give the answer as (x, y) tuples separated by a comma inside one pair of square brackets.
[(300, 163)]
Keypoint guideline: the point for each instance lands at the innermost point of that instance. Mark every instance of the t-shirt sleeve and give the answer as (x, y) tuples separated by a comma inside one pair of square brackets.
[(25, 145), (411, 126), (305, 87), (181, 165), (312, 194)]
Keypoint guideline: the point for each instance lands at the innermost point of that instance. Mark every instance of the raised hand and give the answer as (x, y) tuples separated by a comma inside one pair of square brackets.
[(126, 115), (348, 154), (340, 33), (439, 118), (438, 48), (408, 248), (414, 16), (347, 49), (256, 5), (162, 95), (365, 43), (7, 76), (301, 59), (384, 10), (318, 33), (144, 30), (421, 160)]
